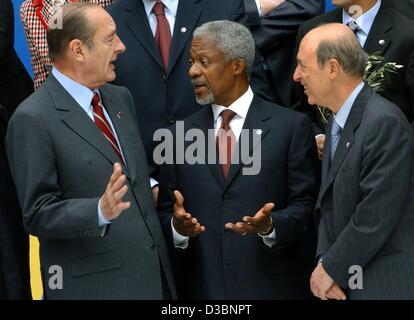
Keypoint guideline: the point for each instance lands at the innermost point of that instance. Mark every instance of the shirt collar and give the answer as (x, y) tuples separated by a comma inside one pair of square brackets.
[(365, 20), (240, 106), (342, 115), (82, 95), (171, 5)]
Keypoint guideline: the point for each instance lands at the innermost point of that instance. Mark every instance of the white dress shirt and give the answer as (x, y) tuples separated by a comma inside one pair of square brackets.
[(170, 13), (241, 108)]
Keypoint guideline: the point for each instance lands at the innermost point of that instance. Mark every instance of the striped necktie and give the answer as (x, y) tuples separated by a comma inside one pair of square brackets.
[(104, 126)]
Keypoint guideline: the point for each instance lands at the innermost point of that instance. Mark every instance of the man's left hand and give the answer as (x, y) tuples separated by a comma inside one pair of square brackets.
[(256, 224), (154, 191)]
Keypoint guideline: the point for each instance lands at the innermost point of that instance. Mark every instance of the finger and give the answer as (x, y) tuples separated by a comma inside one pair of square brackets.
[(248, 219), (179, 199), (239, 227), (116, 172), (189, 222), (337, 291), (331, 294), (118, 195), (122, 206), (197, 230), (118, 184), (267, 208)]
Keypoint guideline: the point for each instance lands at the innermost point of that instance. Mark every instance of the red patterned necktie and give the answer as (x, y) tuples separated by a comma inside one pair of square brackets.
[(162, 33), (103, 124), (225, 141)]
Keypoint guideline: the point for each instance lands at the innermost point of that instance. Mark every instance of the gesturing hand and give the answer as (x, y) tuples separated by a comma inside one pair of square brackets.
[(111, 202), (260, 222), (183, 222), (268, 5)]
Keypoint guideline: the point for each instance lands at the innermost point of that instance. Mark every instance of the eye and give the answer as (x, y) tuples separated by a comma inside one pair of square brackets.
[(190, 62), (205, 62)]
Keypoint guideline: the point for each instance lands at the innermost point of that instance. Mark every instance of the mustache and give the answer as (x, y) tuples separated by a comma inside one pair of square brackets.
[(200, 83)]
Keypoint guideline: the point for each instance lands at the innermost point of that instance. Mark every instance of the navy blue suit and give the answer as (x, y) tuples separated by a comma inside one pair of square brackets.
[(219, 264), (163, 97)]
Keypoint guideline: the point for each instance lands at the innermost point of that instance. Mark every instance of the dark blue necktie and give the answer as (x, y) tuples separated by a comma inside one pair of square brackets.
[(335, 136)]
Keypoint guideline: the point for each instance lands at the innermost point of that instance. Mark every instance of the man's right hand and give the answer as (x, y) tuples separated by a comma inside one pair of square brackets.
[(320, 141), (111, 202), (183, 222)]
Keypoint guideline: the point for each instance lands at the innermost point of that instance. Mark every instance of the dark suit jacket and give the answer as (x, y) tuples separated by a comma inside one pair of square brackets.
[(14, 241), (219, 264), (275, 36), (15, 83), (162, 98), (406, 7), (389, 25), (366, 201), (60, 174)]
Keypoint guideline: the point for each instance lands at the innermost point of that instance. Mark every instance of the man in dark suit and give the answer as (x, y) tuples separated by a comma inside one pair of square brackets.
[(14, 241), (163, 90), (15, 83), (378, 29), (274, 28), (82, 175), (245, 229), (366, 200)]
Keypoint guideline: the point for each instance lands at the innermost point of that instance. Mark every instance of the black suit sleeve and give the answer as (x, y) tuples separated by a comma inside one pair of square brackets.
[(6, 29), (297, 218), (282, 23), (14, 241)]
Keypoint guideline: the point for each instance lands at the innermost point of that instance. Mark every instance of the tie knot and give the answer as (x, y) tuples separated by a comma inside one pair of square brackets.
[(353, 25), (95, 100), (158, 8), (227, 115), (336, 128)]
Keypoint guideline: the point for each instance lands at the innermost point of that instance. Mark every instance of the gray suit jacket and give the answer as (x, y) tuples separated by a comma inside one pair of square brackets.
[(366, 201), (61, 164)]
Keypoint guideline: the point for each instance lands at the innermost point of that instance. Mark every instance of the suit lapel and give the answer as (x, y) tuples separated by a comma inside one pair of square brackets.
[(137, 22), (255, 123), (188, 13), (205, 122), (347, 137), (77, 119), (121, 130), (379, 31)]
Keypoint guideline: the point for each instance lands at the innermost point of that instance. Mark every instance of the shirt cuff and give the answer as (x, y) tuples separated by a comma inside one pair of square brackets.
[(180, 242), (153, 182), (259, 11), (270, 239), (101, 219), (318, 135)]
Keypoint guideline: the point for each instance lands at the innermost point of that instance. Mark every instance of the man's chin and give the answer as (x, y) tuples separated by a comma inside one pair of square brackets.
[(205, 100)]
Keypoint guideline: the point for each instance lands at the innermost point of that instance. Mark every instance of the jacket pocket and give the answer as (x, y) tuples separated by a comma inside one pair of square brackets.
[(96, 263)]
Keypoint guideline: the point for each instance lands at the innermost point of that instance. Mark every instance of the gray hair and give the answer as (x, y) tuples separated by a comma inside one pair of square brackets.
[(233, 39), (347, 51), (75, 25)]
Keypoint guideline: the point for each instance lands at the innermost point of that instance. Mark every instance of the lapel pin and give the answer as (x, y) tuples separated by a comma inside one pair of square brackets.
[(347, 144), (258, 132), (183, 30), (119, 114), (381, 42)]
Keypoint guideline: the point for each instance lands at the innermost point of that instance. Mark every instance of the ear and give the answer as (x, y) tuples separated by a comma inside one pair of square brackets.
[(239, 66), (334, 68), (77, 50)]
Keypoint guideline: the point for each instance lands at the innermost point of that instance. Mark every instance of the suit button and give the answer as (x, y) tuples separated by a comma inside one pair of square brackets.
[(171, 119), (227, 232), (152, 247), (164, 78), (226, 198)]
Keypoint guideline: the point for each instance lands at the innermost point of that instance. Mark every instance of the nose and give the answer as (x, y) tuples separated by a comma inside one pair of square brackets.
[(120, 47), (194, 71), (297, 75)]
